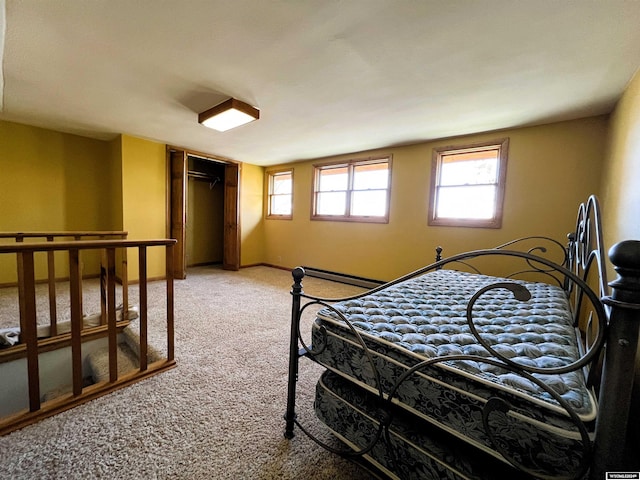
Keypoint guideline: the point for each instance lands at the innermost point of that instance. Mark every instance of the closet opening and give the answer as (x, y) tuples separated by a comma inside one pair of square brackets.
[(203, 211)]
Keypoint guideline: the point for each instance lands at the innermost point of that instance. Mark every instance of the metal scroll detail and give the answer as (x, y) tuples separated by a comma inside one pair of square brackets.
[(521, 293), (312, 351), (544, 247), (496, 404), (586, 245), (571, 270), (536, 246)]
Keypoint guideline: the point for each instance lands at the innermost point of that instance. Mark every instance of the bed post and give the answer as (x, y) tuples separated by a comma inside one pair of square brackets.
[(296, 292), (613, 431), (438, 256)]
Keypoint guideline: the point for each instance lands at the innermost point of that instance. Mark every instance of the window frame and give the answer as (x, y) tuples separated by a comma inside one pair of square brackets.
[(270, 174), (351, 164), (502, 148)]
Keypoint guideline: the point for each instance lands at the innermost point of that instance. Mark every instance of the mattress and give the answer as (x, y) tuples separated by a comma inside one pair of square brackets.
[(415, 450), (425, 318)]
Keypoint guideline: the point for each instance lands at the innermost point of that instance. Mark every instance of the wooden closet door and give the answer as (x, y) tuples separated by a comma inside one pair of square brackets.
[(231, 248), (178, 230)]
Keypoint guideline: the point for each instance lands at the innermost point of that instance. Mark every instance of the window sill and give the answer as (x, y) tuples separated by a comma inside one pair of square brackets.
[(337, 218), (465, 222)]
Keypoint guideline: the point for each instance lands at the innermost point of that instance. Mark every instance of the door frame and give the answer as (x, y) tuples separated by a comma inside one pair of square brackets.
[(177, 195)]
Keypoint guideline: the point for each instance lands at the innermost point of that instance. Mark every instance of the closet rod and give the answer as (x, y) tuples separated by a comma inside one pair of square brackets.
[(213, 180), (203, 175)]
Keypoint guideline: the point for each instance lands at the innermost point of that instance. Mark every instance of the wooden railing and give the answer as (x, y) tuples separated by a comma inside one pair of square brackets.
[(19, 237), (31, 347), (76, 235)]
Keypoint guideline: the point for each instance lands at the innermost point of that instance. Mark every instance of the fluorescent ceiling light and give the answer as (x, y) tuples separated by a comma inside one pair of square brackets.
[(229, 114)]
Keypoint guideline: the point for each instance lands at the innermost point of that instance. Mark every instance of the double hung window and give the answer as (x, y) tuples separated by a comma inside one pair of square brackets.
[(467, 185), (280, 194), (356, 190)]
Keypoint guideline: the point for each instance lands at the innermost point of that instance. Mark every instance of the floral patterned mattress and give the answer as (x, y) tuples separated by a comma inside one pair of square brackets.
[(418, 450), (425, 318)]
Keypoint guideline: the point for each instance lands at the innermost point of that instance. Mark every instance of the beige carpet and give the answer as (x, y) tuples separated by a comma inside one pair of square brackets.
[(218, 414)]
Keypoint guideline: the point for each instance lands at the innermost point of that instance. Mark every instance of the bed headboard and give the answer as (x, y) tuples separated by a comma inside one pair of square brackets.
[(615, 368), (586, 246)]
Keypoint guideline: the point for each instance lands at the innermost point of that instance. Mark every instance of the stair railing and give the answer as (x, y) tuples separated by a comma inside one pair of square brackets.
[(31, 346), (19, 237)]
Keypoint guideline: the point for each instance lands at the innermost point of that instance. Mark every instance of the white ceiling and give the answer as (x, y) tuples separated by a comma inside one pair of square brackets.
[(329, 76)]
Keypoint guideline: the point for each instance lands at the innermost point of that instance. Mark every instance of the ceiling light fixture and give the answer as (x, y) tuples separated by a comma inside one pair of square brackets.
[(229, 114)]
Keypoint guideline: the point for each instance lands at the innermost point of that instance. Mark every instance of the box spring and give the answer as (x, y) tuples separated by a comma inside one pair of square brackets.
[(352, 414)]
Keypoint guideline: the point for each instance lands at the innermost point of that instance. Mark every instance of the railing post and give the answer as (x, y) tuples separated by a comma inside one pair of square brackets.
[(75, 297), (142, 264), (20, 275), (613, 445), (28, 328), (112, 334), (103, 287), (170, 302), (78, 238), (296, 292), (51, 276), (125, 284)]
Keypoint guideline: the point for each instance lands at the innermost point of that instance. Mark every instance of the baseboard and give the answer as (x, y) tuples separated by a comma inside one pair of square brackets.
[(270, 265)]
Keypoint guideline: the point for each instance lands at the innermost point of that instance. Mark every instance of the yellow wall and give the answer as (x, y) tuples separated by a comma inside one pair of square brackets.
[(621, 180), (65, 177), (144, 203), (52, 181), (252, 232), (551, 169), (56, 181), (115, 185)]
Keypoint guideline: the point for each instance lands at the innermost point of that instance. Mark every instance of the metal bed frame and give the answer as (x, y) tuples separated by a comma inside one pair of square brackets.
[(609, 324)]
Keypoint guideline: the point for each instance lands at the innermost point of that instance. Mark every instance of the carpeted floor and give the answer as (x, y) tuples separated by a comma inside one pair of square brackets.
[(217, 415)]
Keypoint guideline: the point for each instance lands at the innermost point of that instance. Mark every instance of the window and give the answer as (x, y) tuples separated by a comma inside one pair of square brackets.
[(467, 185), (357, 191), (280, 196)]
